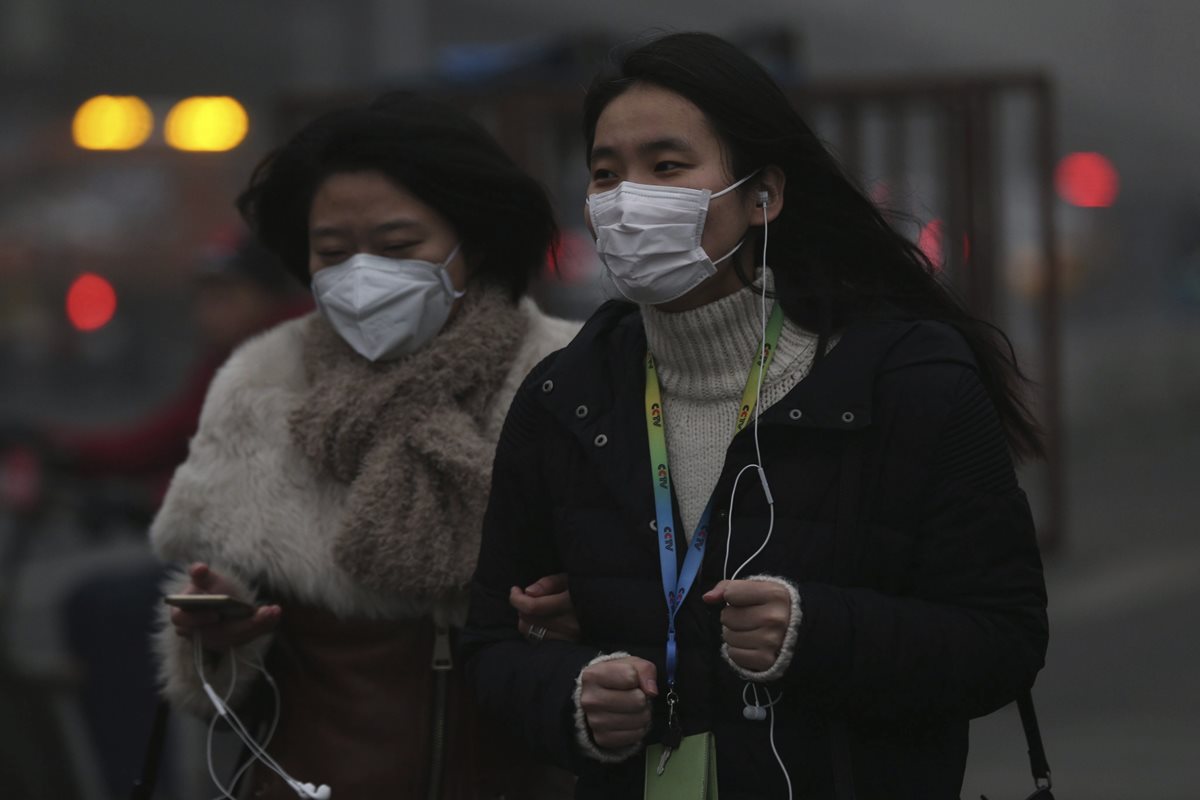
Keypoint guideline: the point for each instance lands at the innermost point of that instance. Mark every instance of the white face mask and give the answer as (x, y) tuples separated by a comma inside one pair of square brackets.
[(649, 239), (384, 307)]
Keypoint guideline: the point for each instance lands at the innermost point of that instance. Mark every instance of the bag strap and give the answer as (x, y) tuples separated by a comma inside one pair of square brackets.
[(1038, 764), (143, 787), (443, 663)]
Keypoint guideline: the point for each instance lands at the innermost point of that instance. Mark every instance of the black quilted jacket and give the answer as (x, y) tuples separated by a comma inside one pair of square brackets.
[(898, 518)]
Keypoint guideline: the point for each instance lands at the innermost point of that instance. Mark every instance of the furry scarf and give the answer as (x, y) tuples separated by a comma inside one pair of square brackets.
[(406, 436)]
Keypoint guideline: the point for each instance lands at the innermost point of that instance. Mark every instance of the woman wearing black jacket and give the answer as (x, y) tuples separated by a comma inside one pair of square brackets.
[(835, 524)]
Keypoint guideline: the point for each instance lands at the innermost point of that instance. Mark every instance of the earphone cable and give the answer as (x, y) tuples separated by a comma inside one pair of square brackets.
[(775, 750), (771, 701), (197, 657), (239, 729), (278, 707), (757, 447)]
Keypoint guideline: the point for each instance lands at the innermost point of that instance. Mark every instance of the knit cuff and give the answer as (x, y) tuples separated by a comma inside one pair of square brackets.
[(786, 650), (583, 734)]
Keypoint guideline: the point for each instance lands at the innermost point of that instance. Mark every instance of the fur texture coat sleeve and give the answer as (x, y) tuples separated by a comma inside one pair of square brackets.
[(219, 507), (250, 504)]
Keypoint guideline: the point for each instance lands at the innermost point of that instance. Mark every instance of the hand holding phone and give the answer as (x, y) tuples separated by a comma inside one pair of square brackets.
[(207, 608)]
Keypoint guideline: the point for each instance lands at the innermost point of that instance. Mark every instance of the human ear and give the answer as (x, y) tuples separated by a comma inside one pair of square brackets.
[(767, 195)]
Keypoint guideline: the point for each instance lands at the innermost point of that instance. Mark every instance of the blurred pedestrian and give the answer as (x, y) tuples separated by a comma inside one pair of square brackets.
[(339, 476), (239, 290)]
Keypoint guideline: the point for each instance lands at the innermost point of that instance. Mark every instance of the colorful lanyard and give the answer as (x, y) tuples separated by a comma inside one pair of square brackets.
[(676, 584)]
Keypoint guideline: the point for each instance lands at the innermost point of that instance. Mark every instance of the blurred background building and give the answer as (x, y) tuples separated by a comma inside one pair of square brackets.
[(1046, 156)]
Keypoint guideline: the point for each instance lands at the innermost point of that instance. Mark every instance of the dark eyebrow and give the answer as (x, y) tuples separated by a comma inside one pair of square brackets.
[(387, 227), (602, 152), (396, 225), (659, 145), (645, 148)]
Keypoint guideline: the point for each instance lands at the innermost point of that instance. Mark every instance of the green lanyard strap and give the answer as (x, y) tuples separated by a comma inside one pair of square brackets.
[(677, 582)]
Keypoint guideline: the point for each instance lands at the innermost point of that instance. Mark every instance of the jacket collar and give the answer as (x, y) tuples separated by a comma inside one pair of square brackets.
[(599, 379)]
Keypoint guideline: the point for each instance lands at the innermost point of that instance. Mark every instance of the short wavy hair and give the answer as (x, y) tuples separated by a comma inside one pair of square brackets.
[(450, 162)]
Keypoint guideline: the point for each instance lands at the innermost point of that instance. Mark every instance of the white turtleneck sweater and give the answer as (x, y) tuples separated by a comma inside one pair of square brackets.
[(703, 357)]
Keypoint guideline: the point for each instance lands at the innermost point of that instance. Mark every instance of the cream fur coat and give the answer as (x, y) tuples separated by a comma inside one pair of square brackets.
[(249, 503)]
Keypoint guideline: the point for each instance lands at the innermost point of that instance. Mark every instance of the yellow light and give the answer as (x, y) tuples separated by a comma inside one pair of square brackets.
[(108, 122), (208, 124)]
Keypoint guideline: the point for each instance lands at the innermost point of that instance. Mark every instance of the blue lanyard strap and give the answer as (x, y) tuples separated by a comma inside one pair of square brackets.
[(676, 583)]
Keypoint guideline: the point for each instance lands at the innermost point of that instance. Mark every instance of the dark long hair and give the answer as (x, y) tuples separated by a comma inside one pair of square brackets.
[(834, 256), (435, 152)]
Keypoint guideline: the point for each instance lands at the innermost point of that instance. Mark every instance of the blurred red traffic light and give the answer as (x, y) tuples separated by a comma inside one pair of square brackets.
[(91, 302), (1087, 180)]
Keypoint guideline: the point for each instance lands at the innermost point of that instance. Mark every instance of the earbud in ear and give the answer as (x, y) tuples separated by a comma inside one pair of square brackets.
[(764, 198)]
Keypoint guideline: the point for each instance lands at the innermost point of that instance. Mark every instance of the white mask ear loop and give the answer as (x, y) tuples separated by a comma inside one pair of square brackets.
[(736, 247), (741, 241), (445, 275), (733, 186)]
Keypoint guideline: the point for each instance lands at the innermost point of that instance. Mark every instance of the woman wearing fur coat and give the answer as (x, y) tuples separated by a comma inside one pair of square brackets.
[(338, 479)]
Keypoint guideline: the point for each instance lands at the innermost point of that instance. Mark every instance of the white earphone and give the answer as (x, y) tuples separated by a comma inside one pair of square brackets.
[(258, 751), (763, 199), (757, 711), (754, 713), (321, 792)]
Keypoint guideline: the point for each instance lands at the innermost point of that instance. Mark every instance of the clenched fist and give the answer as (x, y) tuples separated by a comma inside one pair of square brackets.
[(754, 622), (616, 700)]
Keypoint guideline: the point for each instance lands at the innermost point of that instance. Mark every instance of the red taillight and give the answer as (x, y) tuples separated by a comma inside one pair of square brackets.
[(20, 478)]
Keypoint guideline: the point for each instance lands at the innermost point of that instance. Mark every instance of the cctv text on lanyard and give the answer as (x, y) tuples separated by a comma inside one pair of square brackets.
[(676, 583)]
